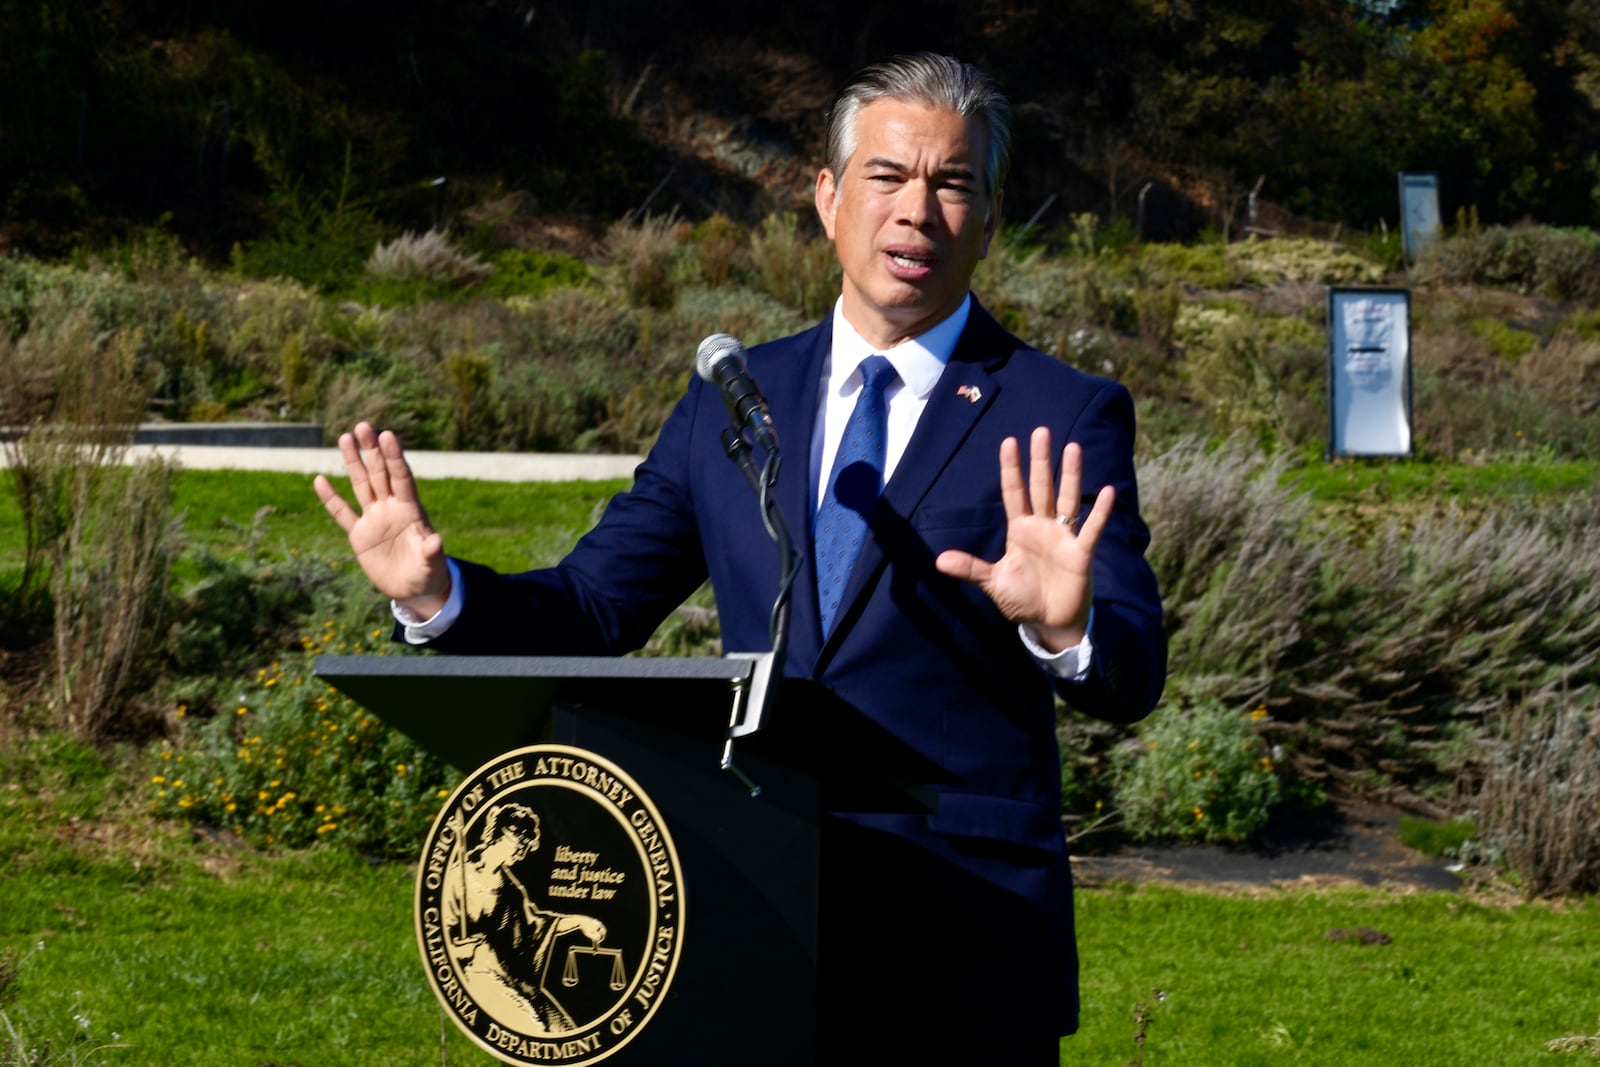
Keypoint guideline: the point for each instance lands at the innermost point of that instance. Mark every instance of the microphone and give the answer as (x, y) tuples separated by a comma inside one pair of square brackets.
[(720, 362)]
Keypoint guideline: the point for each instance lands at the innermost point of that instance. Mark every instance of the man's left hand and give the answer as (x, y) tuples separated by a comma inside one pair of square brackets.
[(1045, 579)]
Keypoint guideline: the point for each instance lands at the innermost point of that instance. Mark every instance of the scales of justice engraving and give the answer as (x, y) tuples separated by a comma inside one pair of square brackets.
[(500, 938), (549, 907)]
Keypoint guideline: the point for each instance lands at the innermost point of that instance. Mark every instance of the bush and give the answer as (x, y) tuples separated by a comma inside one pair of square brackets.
[(750, 316), (1207, 266), (798, 270), (1539, 794), (98, 537), (531, 272), (648, 257), (1429, 627), (1238, 575), (1301, 259), (293, 762), (1504, 340), (1560, 263), (427, 257), (1198, 772), (321, 239), (1255, 374)]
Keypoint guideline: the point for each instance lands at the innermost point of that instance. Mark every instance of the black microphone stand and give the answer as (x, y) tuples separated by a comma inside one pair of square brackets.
[(761, 481)]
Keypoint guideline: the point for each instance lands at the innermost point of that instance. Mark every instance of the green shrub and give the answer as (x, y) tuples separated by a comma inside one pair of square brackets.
[(648, 258), (529, 272), (1585, 322), (723, 250), (751, 316), (1428, 626), (1504, 340), (1560, 263), (1455, 418), (292, 762), (1385, 248), (1207, 266), (799, 270), (1301, 259), (240, 608), (1256, 374), (320, 238), (578, 354), (1198, 772)]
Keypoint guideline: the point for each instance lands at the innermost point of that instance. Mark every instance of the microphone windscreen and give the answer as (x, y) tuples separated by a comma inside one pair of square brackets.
[(713, 350)]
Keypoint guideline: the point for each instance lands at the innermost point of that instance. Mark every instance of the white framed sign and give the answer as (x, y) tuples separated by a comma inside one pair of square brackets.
[(1369, 372)]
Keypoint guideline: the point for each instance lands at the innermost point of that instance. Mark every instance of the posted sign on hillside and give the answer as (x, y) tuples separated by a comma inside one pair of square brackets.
[(1419, 212), (1369, 372)]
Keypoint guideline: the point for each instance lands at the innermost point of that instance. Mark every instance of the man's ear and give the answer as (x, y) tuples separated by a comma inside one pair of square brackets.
[(991, 225), (827, 199)]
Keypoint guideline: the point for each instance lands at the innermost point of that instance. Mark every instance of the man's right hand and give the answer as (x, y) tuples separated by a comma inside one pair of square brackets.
[(398, 549)]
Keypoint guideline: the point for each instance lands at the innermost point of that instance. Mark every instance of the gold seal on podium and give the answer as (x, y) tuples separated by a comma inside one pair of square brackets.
[(549, 907)]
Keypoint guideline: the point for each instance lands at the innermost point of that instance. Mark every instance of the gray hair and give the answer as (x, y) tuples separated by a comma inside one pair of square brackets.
[(936, 80)]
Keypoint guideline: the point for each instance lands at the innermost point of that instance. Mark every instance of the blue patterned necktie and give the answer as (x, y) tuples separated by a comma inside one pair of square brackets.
[(853, 488)]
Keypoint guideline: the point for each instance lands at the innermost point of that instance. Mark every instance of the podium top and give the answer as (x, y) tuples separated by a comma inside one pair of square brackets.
[(468, 709)]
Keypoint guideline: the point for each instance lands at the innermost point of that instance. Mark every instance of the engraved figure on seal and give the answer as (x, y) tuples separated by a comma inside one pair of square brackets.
[(500, 939)]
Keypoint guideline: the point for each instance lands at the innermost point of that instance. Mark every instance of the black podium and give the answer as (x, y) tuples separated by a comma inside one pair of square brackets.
[(741, 776)]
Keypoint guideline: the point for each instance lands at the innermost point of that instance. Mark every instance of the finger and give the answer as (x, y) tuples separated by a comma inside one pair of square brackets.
[(360, 487), (1041, 478), (396, 470), (1067, 500), (372, 456), (1011, 490), (963, 566), (1099, 515), (342, 513)]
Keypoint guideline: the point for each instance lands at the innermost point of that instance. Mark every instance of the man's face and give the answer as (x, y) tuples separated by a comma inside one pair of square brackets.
[(909, 217)]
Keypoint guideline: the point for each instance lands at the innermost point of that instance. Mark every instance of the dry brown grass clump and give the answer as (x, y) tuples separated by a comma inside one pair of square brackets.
[(1538, 805), (426, 257)]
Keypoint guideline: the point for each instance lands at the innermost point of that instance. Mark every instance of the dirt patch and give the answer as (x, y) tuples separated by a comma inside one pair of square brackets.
[(1352, 843)]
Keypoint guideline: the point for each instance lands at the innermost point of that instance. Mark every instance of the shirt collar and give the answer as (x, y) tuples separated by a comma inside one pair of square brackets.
[(919, 361)]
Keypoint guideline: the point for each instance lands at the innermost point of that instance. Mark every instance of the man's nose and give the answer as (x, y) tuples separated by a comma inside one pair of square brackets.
[(915, 204)]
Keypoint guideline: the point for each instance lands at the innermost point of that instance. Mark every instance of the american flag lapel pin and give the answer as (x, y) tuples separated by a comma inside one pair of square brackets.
[(971, 392)]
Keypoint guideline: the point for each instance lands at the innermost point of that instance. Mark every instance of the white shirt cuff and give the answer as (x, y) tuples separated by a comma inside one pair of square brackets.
[(419, 631), (1071, 664)]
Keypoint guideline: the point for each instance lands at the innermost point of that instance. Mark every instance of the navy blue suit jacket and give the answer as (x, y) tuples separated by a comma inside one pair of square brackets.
[(928, 657)]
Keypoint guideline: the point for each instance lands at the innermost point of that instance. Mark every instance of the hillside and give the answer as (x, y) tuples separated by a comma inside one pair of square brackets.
[(230, 123)]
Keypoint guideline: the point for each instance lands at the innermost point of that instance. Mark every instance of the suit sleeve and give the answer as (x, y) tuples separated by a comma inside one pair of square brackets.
[(1129, 667), (622, 579)]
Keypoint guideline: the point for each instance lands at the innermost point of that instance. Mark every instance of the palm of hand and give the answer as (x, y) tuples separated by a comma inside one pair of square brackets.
[(390, 542), (1044, 576), (398, 549)]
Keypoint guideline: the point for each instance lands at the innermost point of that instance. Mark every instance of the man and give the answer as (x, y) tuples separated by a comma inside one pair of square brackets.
[(973, 594)]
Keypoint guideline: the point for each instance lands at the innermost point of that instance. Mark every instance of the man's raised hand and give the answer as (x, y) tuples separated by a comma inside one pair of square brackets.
[(398, 549), (1045, 579)]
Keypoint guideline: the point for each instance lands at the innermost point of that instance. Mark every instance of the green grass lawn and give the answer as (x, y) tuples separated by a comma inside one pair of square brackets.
[(197, 953), (1255, 979), (509, 525)]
